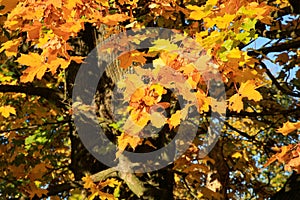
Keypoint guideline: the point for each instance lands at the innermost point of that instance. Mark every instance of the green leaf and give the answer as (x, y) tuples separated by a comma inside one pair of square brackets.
[(249, 24), (228, 44)]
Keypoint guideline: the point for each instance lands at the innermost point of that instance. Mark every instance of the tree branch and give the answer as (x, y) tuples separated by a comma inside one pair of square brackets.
[(277, 84), (34, 126), (56, 189), (52, 95), (282, 34), (278, 48), (239, 131)]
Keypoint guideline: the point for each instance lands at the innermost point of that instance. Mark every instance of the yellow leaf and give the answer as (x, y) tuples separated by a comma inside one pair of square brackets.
[(137, 95), (158, 89), (7, 110), (211, 2), (103, 2), (174, 120), (203, 101), (288, 127), (237, 155), (93, 195), (236, 103), (248, 90), (11, 47), (199, 195), (197, 12), (55, 3), (88, 182), (234, 53), (36, 66), (163, 45), (221, 22), (54, 64), (126, 139)]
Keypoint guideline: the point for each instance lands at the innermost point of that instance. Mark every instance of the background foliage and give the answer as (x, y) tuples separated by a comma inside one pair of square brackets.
[(254, 46)]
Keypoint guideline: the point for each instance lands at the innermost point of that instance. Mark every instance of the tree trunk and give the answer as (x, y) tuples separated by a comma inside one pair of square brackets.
[(158, 184), (290, 190)]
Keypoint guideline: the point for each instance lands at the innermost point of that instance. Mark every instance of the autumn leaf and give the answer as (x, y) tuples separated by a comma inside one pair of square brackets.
[(114, 19), (7, 110), (247, 90), (282, 156), (33, 190), (235, 53), (203, 11), (174, 120), (221, 22), (103, 2), (157, 119), (282, 58), (288, 127), (203, 101), (236, 103), (137, 120), (158, 89), (237, 155), (54, 64), (36, 66), (88, 182), (127, 58), (33, 30), (38, 171), (18, 171), (126, 139), (11, 47), (9, 5), (137, 95), (197, 12), (163, 45)]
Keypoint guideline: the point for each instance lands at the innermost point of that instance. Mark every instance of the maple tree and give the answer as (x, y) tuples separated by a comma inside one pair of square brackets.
[(252, 47)]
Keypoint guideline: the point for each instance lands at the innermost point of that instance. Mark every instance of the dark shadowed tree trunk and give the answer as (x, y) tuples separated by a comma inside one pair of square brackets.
[(154, 185), (291, 189)]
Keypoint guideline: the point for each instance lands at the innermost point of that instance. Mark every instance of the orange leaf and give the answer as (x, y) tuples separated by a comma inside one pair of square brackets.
[(127, 58), (9, 5), (36, 66), (288, 127), (33, 191), (114, 19), (137, 95), (38, 171), (33, 30)]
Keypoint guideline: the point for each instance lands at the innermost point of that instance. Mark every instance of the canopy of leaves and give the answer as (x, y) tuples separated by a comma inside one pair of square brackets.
[(252, 44)]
